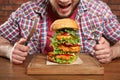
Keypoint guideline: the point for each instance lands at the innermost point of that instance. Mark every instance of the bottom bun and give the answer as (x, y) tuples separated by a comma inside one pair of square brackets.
[(63, 59)]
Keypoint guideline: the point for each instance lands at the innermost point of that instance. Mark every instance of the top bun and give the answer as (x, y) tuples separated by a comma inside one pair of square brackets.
[(64, 23)]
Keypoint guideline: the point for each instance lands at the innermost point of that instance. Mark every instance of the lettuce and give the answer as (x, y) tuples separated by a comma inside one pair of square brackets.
[(74, 40), (58, 60)]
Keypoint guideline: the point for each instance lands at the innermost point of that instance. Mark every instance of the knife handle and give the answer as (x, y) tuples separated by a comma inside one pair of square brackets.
[(96, 41)]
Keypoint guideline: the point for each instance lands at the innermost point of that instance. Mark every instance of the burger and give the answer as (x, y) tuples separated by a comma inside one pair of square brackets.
[(65, 41)]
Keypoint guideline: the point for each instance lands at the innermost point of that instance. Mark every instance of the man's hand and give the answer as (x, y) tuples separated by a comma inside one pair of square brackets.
[(103, 51), (19, 52)]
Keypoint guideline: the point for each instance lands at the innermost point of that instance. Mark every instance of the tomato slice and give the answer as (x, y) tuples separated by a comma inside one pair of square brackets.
[(67, 54), (65, 34)]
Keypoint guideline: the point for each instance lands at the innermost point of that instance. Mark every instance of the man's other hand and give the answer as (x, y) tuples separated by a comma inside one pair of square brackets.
[(103, 51), (19, 52)]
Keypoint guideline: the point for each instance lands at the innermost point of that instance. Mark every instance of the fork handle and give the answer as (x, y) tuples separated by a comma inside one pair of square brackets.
[(26, 43)]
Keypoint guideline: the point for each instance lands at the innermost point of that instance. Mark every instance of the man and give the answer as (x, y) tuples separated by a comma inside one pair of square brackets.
[(88, 14)]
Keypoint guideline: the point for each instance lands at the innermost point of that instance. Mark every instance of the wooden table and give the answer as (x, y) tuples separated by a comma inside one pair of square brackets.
[(9, 71)]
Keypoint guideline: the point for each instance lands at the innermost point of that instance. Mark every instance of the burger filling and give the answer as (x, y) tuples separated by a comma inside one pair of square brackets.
[(69, 59), (64, 58), (66, 37)]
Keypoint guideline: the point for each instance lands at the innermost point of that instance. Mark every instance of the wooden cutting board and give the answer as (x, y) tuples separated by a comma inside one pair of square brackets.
[(89, 66)]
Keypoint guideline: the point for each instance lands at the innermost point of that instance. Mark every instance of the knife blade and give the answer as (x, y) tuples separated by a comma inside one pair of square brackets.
[(31, 32)]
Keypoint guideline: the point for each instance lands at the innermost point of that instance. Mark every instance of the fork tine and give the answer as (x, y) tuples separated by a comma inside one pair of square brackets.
[(93, 29)]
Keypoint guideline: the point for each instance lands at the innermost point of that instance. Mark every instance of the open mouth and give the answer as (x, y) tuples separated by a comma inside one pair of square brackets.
[(64, 6)]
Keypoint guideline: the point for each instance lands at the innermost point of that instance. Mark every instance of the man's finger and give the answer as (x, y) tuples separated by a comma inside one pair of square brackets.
[(22, 41), (102, 56), (23, 54), (105, 60), (99, 47), (22, 48), (17, 57), (15, 61), (102, 40)]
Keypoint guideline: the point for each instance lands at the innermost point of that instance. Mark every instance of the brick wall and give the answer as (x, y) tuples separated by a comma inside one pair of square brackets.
[(8, 6)]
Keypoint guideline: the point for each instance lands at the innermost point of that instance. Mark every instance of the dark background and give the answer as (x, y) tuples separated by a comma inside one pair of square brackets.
[(8, 6)]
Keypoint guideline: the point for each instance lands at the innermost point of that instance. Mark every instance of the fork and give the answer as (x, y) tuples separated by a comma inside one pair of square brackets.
[(94, 33)]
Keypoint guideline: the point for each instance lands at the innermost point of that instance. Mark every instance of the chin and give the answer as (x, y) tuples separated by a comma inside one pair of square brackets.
[(64, 15)]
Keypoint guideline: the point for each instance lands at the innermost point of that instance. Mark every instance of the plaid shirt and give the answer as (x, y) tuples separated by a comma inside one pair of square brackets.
[(89, 12)]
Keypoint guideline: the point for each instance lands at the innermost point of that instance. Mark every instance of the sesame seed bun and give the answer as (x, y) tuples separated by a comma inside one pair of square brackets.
[(64, 23)]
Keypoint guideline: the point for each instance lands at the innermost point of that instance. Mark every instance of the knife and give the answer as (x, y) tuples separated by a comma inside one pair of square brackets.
[(31, 32)]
